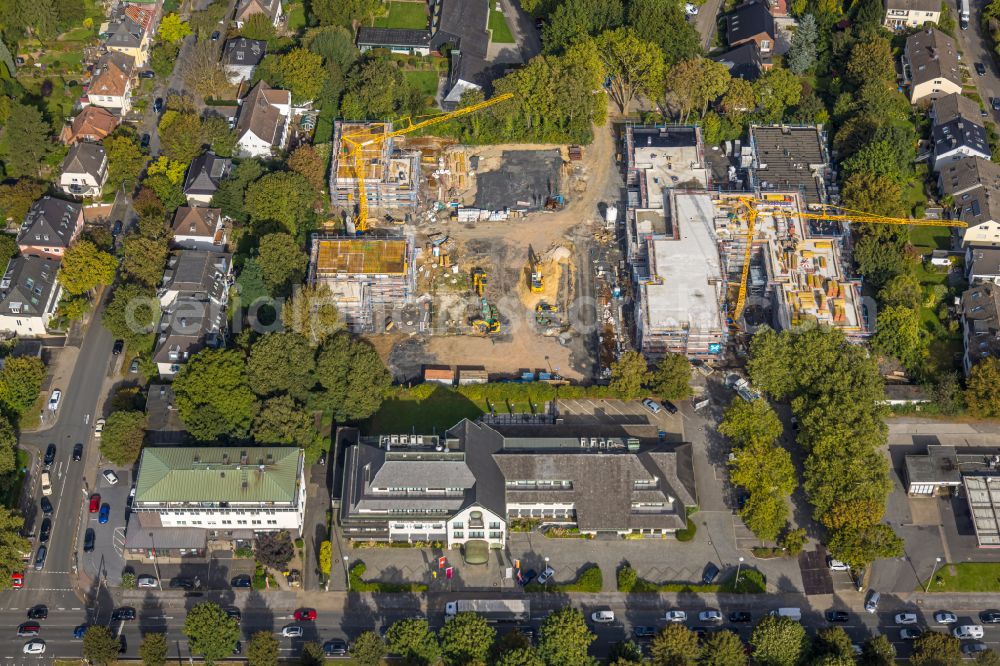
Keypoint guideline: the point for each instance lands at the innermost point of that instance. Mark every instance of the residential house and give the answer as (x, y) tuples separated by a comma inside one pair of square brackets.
[(29, 294), (94, 123), (744, 62), (130, 38), (397, 40), (791, 159), (199, 228), (163, 423), (930, 65), (111, 86), (954, 107), (262, 125), (980, 315), (247, 8), (186, 497), (751, 22), (973, 186), (957, 139), (982, 264), (203, 177), (50, 226), (462, 25), (84, 171), (193, 299), (240, 57), (465, 487), (903, 14)]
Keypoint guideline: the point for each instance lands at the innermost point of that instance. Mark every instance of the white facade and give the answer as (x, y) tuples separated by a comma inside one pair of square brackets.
[(957, 153), (898, 18), (239, 73), (83, 184), (987, 233), (477, 523), (32, 326), (251, 145), (236, 516)]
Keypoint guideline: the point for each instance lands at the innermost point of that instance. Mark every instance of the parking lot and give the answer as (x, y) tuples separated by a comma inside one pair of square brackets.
[(106, 559), (626, 417)]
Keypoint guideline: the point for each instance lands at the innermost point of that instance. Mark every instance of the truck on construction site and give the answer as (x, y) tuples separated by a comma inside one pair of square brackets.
[(494, 610)]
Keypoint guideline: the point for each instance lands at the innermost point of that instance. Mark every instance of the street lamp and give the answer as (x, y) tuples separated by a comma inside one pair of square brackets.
[(937, 562), (156, 565), (346, 574)]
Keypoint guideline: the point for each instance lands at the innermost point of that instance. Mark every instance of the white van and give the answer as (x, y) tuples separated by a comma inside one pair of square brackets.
[(790, 613), (46, 484), (968, 631)]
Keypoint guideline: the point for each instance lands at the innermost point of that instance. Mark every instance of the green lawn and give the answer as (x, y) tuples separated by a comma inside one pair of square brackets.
[(438, 412), (926, 239), (296, 17), (425, 82), (967, 577), (411, 15), (498, 26)]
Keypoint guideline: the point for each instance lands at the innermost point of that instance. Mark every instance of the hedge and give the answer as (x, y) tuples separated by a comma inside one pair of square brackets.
[(358, 584), (589, 580), (751, 582)]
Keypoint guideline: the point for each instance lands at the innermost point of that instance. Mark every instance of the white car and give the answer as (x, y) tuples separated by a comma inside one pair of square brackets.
[(837, 565), (34, 647), (291, 631), (690, 9), (676, 616), (945, 617), (968, 631), (54, 403), (906, 618), (544, 577), (145, 580), (98, 427), (710, 616), (110, 477), (603, 617), (46, 484)]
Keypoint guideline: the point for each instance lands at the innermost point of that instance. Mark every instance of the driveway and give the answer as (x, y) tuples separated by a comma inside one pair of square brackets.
[(106, 562), (523, 28), (705, 22), (975, 46)]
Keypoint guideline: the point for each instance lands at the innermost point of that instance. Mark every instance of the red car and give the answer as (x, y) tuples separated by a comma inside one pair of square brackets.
[(305, 614), (17, 580), (95, 503)]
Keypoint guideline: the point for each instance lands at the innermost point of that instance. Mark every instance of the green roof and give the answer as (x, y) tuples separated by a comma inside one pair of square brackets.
[(218, 474)]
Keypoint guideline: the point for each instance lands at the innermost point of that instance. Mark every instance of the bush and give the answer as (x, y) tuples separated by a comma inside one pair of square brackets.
[(243, 552), (627, 578), (751, 582), (128, 581), (688, 532), (523, 524)]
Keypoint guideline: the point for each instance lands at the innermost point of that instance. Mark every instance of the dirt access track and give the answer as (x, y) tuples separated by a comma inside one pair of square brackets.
[(522, 347)]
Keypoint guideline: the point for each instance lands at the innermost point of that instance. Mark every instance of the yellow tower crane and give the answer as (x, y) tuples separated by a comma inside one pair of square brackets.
[(847, 215), (353, 143)]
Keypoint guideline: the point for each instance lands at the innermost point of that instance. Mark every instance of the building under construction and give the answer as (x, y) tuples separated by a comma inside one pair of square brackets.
[(392, 176), (368, 277)]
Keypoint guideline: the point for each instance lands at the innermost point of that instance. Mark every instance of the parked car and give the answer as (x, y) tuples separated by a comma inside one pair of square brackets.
[(77, 452), (147, 74), (871, 601), (95, 503), (99, 427), (110, 476), (305, 615), (676, 616), (40, 557), (181, 583), (16, 580), (739, 617), (133, 367), (335, 647), (39, 612), (990, 617), (123, 613), (968, 631), (945, 617), (146, 580), (527, 577), (34, 647), (238, 648), (710, 573), (144, 141), (906, 618), (651, 406), (836, 565), (603, 616), (995, 103), (544, 577), (242, 580), (116, 228), (88, 540), (45, 530), (215, 36), (980, 68), (54, 400), (118, 347), (46, 505), (710, 615), (234, 612), (46, 484), (104, 514), (837, 616), (50, 454), (158, 105), (669, 406), (644, 632), (690, 9), (291, 631), (972, 649), (28, 629), (80, 630), (909, 633)]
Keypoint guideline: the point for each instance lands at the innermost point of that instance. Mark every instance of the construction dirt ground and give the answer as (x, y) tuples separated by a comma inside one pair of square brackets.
[(561, 335)]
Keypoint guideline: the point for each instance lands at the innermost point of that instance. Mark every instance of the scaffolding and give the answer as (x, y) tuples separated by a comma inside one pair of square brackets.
[(392, 176)]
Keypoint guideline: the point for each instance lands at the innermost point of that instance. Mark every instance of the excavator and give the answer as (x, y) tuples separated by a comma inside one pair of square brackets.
[(535, 280), (488, 322), (479, 281)]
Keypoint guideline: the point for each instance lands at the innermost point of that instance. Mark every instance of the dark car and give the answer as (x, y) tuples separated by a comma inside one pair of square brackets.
[(158, 105), (40, 555), (28, 629), (335, 647), (739, 616), (119, 346), (123, 613), (46, 506), (88, 540), (837, 616), (995, 103), (527, 577), (182, 583), (116, 228), (990, 616), (980, 68), (147, 74), (144, 141), (241, 581), (80, 631), (644, 632), (238, 648), (710, 574), (50, 454), (234, 612), (39, 612), (78, 452), (45, 531), (215, 36), (669, 406)]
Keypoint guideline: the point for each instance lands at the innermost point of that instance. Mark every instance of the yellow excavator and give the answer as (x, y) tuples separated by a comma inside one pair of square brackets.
[(488, 322), (479, 281), (535, 280)]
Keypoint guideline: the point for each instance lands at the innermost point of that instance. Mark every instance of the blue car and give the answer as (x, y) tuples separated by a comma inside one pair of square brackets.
[(80, 631), (105, 513)]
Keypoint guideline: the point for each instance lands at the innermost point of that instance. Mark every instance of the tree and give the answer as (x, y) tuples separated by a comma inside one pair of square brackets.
[(312, 654), (282, 197), (354, 377), (166, 178), (12, 545), (282, 262), (575, 19), (671, 378), (210, 632), (8, 447), (565, 639), (312, 313), (629, 375), (282, 363), (24, 140), (878, 651), (871, 60), (302, 73), (368, 648), (903, 290), (880, 259), (860, 546), (132, 315), (123, 435), (153, 649), (230, 197), (776, 90), (625, 653), (216, 133), (325, 557), (935, 648), (250, 284), (751, 423), (335, 44), (633, 64), (376, 89), (173, 29), (162, 57), (723, 648), (306, 161), (180, 141), (99, 645), (15, 202), (525, 656), (414, 641), (202, 71), (898, 334), (694, 83), (143, 259), (84, 267), (739, 98), (832, 641), (20, 382), (125, 160), (778, 641), (767, 473), (213, 395), (983, 388), (675, 645), (466, 639), (988, 658), (258, 26), (802, 54), (274, 549), (663, 22), (262, 649), (280, 420)]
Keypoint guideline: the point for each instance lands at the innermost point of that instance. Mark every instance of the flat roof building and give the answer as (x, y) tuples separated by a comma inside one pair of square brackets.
[(392, 176), (661, 157), (791, 159)]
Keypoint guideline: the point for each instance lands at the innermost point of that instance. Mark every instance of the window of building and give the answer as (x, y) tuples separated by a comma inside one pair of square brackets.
[(458, 525), (494, 525), (495, 535), (475, 534), (459, 535)]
